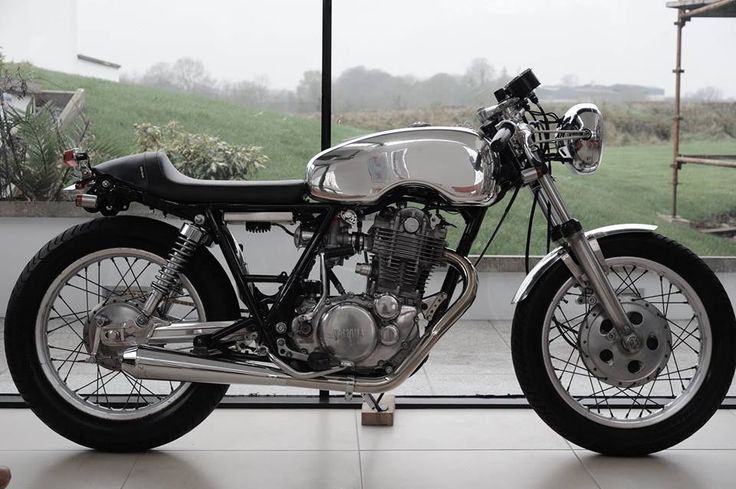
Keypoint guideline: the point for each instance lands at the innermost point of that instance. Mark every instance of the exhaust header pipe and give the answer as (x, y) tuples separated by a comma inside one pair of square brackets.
[(147, 362)]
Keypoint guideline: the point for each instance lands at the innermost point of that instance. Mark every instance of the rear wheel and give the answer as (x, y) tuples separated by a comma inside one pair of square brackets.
[(575, 374), (92, 275)]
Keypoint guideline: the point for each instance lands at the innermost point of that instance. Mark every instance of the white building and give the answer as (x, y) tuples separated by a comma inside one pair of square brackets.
[(44, 33)]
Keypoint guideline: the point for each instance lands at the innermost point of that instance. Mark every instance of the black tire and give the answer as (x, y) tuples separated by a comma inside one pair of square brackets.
[(203, 272), (542, 392)]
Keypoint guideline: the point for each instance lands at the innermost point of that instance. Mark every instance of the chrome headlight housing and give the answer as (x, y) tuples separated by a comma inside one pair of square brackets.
[(580, 138)]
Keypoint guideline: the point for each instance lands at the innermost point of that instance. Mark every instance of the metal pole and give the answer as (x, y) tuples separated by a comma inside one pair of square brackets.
[(326, 116), (326, 74), (678, 117)]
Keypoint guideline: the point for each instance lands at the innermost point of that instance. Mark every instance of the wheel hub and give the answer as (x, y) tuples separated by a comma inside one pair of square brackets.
[(112, 328), (610, 361)]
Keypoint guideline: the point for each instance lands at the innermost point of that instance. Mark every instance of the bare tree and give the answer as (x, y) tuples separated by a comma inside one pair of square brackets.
[(189, 74), (309, 91), (570, 80), (479, 73), (706, 94), (159, 75)]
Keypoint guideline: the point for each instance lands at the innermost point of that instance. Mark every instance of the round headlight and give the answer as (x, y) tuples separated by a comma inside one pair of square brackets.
[(581, 154)]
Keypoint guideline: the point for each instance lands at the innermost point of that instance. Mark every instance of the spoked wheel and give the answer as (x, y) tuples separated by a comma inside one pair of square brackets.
[(99, 289), (88, 285), (580, 379)]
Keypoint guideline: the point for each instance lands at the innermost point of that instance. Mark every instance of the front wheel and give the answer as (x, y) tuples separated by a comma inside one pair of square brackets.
[(582, 383)]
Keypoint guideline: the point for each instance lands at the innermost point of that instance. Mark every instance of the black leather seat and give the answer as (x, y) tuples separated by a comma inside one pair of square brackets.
[(154, 173)]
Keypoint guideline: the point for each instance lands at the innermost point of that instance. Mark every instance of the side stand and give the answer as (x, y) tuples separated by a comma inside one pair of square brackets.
[(378, 411)]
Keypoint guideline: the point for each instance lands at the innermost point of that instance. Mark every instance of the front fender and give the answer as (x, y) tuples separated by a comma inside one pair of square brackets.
[(546, 263)]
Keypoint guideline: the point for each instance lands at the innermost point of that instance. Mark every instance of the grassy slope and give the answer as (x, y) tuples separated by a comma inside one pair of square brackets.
[(289, 141), (633, 184)]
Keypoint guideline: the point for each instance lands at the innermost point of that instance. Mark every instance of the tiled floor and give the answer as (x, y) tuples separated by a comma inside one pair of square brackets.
[(330, 449)]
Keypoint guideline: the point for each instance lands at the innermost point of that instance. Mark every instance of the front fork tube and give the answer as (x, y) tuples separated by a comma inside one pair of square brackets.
[(591, 266)]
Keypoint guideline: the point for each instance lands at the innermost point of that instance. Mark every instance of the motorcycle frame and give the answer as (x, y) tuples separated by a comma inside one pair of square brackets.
[(586, 263), (211, 217)]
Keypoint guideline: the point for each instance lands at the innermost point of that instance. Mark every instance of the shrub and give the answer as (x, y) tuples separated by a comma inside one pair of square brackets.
[(32, 144), (200, 155)]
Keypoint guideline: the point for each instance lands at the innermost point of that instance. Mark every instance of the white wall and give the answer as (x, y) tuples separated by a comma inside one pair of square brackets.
[(96, 70), (270, 253)]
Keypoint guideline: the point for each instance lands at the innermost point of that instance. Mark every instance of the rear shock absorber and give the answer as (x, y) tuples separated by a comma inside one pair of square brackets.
[(190, 237)]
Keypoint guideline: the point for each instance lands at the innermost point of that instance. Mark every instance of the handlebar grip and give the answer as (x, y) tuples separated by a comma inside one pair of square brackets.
[(501, 139)]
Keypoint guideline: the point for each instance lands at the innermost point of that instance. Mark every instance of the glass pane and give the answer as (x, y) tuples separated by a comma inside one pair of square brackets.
[(436, 62), (228, 69)]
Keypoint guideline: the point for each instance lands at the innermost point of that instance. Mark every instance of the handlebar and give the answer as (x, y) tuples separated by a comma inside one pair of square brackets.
[(506, 129), (502, 136)]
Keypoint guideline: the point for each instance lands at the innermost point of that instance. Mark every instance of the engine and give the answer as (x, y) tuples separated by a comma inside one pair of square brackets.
[(407, 244), (375, 329)]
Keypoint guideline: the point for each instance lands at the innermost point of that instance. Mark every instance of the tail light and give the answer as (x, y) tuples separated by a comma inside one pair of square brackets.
[(73, 157), (70, 159)]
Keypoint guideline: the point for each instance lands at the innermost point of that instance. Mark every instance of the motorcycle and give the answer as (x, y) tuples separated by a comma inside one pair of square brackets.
[(123, 333)]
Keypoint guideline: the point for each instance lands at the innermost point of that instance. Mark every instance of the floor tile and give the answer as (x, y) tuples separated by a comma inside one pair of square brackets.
[(266, 390), (272, 429), (22, 430), (254, 470), (472, 385), (718, 433), (470, 346), (474, 469), (67, 469), (672, 469), (461, 429), (503, 328)]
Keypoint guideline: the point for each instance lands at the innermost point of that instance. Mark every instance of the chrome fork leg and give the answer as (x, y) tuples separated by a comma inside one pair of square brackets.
[(590, 266), (600, 284)]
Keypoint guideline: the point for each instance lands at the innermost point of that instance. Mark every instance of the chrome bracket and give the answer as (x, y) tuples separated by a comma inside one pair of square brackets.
[(349, 388), (287, 352), (430, 305)]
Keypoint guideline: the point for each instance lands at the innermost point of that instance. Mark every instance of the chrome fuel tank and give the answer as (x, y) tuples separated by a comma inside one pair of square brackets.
[(454, 161)]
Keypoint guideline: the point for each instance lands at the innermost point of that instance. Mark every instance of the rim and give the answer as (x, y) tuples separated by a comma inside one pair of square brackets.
[(114, 274), (669, 391)]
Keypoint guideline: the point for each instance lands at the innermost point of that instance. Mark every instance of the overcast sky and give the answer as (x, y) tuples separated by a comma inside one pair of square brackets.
[(606, 42)]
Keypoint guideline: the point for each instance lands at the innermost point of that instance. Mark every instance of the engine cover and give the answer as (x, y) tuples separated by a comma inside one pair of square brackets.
[(360, 329), (348, 331)]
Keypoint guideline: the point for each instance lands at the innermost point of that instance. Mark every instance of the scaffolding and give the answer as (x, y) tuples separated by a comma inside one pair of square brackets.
[(686, 11)]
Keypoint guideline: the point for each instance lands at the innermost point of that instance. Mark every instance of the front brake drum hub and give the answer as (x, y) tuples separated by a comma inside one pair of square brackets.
[(607, 359)]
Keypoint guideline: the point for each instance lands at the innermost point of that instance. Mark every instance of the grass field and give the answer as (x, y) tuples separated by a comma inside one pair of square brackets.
[(633, 184)]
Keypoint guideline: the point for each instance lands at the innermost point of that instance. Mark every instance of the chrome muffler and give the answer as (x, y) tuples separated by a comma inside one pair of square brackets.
[(147, 362)]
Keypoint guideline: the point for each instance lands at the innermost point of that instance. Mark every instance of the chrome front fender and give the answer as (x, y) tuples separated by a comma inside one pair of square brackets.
[(546, 263)]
